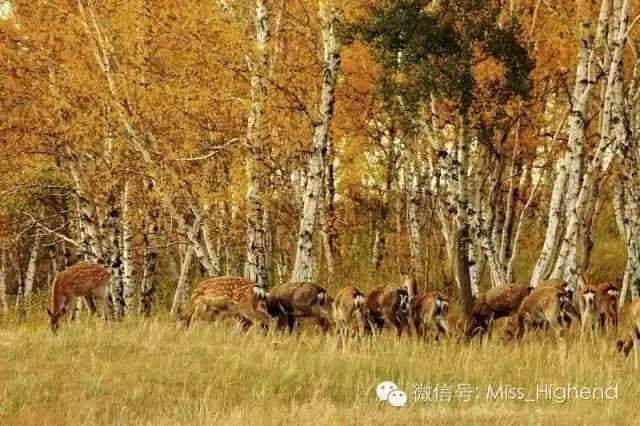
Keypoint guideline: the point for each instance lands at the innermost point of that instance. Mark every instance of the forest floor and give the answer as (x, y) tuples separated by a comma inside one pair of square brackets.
[(147, 371)]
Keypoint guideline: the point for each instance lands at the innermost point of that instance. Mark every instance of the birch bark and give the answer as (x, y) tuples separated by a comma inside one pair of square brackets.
[(3, 283), (127, 251), (568, 179), (30, 276), (115, 257), (147, 284), (303, 269), (256, 265)]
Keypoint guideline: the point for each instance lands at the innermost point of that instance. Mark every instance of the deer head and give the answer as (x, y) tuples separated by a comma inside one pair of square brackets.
[(54, 318)]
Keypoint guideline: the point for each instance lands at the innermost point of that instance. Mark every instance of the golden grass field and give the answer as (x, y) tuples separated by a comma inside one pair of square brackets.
[(146, 371)]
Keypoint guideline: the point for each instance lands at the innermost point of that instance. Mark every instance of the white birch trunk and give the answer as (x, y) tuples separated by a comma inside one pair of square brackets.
[(30, 276), (516, 237), (414, 204), (127, 252), (464, 240), (86, 209), (115, 258), (569, 168), (182, 288), (543, 265), (212, 253), (256, 264), (579, 197), (303, 269), (147, 284), (4, 303)]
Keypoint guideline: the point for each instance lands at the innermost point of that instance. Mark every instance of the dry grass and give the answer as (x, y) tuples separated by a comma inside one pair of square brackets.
[(149, 372)]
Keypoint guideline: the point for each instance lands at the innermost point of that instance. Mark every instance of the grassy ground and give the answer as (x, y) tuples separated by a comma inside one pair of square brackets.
[(148, 372)]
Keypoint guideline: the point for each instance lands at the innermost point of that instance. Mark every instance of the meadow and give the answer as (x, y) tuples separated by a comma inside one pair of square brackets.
[(147, 371)]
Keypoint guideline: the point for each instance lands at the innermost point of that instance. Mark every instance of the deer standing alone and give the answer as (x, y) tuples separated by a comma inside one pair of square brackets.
[(83, 279), (220, 297)]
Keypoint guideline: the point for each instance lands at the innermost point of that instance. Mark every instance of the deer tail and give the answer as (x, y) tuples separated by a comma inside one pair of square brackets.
[(260, 292)]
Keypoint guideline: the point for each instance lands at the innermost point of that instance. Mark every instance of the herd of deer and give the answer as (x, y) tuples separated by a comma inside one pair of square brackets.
[(554, 304)]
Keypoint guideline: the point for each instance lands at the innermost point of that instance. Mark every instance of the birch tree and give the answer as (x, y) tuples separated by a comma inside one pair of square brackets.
[(3, 282), (568, 182), (456, 45), (30, 275), (303, 268), (256, 264), (127, 251)]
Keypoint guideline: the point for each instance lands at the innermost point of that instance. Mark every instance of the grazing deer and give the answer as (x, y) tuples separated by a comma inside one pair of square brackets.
[(428, 312), (631, 316), (209, 307), (498, 302), (291, 301), (350, 313), (220, 297), (389, 306), (544, 306), (84, 279)]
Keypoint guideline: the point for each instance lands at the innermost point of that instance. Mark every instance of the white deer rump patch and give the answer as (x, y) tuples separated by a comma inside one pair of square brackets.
[(359, 300), (260, 292)]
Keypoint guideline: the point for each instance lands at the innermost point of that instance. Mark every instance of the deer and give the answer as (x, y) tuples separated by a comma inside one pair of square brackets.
[(498, 302), (589, 304), (598, 304), (291, 301), (543, 306), (411, 285), (459, 325), (84, 279), (631, 316), (389, 306), (608, 293), (428, 312), (350, 313), (228, 296)]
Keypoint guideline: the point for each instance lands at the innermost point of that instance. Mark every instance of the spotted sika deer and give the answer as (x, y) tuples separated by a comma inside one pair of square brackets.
[(239, 297), (84, 279), (389, 306), (291, 301), (428, 313), (350, 313)]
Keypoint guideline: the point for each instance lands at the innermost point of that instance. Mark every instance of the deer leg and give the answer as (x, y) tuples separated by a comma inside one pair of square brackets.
[(91, 305), (291, 322), (70, 305)]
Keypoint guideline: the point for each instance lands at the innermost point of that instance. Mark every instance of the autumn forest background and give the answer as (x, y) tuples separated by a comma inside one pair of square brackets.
[(466, 143), (345, 142)]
